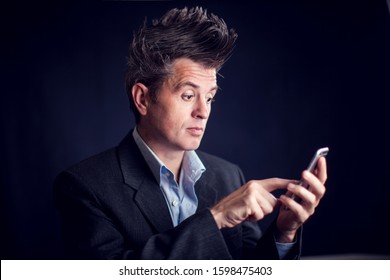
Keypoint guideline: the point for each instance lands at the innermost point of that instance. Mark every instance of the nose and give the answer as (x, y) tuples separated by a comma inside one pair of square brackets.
[(201, 109)]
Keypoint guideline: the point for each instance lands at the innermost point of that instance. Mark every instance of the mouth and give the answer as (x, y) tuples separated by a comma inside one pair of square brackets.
[(195, 131)]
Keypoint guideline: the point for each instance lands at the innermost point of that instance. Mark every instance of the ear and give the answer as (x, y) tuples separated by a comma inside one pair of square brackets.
[(139, 93)]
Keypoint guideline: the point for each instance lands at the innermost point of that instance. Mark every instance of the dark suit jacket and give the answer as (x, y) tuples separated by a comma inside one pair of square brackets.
[(111, 207)]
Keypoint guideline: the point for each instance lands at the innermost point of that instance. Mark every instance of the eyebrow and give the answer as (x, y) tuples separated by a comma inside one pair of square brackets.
[(180, 85)]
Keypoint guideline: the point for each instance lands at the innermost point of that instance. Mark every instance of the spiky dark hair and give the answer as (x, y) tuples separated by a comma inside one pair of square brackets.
[(180, 33)]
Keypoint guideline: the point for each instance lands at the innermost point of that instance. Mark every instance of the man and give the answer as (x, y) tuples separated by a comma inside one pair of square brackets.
[(153, 196)]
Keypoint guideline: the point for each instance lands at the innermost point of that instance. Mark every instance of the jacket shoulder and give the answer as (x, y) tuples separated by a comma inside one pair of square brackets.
[(101, 167)]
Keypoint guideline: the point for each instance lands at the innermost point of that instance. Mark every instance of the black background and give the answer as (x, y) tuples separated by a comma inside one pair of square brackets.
[(304, 74)]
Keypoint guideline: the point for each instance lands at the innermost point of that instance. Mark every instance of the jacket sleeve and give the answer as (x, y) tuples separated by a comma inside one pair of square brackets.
[(90, 232)]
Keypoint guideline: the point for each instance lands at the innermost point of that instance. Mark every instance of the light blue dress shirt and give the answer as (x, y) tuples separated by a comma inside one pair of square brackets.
[(181, 198)]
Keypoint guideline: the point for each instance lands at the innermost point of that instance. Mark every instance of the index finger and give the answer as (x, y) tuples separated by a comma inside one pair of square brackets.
[(273, 184), (321, 171)]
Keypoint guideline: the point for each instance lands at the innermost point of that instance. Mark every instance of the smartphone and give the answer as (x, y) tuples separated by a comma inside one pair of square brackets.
[(322, 152)]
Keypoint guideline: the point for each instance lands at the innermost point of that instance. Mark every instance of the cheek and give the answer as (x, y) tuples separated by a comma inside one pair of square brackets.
[(178, 115), (172, 121), (172, 117)]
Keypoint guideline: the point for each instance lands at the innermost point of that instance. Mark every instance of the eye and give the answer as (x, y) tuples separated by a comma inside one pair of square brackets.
[(210, 99), (188, 96)]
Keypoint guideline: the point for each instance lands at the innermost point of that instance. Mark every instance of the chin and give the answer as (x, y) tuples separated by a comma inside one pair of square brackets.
[(192, 146)]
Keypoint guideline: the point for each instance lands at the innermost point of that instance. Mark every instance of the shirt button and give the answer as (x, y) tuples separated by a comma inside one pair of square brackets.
[(175, 203)]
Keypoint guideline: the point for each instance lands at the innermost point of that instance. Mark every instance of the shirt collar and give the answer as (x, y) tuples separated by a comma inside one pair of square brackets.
[(192, 165)]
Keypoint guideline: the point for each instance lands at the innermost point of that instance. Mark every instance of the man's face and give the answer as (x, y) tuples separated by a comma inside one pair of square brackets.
[(177, 120)]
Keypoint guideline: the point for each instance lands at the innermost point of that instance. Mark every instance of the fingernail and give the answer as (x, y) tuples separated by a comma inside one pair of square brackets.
[(305, 174), (290, 186)]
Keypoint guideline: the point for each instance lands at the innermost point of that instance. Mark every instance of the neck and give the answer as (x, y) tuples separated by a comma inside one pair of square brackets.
[(172, 162), (172, 158)]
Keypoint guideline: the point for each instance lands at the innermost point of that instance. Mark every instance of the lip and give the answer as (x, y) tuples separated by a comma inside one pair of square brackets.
[(196, 131)]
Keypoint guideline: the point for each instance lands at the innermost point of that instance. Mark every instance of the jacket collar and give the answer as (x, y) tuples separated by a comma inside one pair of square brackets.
[(206, 187), (149, 197), (137, 175)]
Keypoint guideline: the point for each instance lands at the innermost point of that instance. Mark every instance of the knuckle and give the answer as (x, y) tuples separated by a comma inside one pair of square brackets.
[(251, 201), (259, 215), (308, 214), (268, 209), (251, 182), (252, 186)]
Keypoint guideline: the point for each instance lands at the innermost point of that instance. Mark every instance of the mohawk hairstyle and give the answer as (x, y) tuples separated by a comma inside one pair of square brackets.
[(180, 33)]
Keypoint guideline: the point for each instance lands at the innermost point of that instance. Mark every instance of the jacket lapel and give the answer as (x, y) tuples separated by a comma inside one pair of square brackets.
[(148, 197), (206, 187)]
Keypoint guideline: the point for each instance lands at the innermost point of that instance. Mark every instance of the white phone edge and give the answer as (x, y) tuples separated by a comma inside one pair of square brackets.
[(321, 152)]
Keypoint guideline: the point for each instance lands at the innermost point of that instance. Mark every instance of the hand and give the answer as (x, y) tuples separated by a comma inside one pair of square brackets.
[(251, 201), (296, 213)]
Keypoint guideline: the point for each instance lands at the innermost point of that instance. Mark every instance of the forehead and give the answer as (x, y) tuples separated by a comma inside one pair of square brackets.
[(185, 70)]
